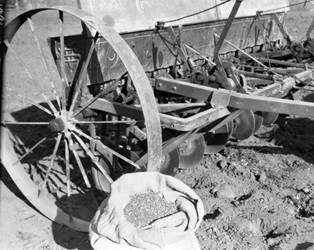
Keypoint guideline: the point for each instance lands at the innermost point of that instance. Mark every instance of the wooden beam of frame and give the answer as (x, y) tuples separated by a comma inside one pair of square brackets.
[(261, 100), (167, 121)]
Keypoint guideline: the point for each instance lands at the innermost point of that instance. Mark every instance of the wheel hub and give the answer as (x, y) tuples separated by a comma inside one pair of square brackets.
[(57, 125), (61, 123)]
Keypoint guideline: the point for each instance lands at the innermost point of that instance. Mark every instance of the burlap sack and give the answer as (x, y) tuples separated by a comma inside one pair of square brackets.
[(110, 229)]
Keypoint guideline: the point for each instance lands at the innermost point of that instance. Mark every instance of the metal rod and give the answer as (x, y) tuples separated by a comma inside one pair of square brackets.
[(68, 175), (84, 71), (42, 108), (282, 29), (283, 63), (255, 75), (31, 149), (93, 158), (248, 55), (22, 64), (55, 150), (106, 122), (109, 150), (91, 101), (226, 29), (199, 54), (44, 60), (24, 123), (62, 63), (50, 104), (79, 162)]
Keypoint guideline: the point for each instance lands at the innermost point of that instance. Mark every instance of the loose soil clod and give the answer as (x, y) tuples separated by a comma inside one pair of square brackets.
[(145, 208)]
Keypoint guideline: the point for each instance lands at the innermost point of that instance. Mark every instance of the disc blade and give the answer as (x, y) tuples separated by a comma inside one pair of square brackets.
[(191, 151), (216, 141), (244, 125), (170, 162), (269, 118), (259, 119)]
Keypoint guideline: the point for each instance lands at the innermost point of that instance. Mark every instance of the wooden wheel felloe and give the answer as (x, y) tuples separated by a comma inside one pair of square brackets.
[(57, 130)]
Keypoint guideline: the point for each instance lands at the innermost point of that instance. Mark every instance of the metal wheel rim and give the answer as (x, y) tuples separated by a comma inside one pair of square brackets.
[(149, 107)]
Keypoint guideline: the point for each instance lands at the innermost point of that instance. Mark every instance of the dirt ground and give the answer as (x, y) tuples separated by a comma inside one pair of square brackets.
[(258, 194)]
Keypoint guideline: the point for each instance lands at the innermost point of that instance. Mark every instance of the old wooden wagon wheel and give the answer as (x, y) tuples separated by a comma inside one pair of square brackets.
[(59, 132)]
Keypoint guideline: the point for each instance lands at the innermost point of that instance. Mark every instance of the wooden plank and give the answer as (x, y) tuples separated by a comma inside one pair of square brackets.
[(195, 121), (167, 121), (178, 107), (270, 104)]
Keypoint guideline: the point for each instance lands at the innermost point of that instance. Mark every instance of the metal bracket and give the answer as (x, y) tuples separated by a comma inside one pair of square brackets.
[(220, 99)]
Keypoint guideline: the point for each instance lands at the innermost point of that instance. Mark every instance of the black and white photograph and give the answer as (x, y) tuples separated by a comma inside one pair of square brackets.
[(158, 125)]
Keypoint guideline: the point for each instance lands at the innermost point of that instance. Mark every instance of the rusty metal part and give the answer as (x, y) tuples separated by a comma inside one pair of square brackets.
[(191, 151), (244, 125)]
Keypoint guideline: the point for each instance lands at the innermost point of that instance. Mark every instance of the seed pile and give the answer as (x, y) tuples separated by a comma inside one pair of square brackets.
[(145, 208)]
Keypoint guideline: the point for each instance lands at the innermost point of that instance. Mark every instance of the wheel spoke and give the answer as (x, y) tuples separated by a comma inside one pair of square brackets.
[(68, 175), (50, 104), (31, 149), (19, 60), (23, 123), (83, 71), (132, 122), (44, 60), (93, 158), (79, 162), (42, 108), (64, 79), (91, 101), (199, 54), (47, 174), (22, 64), (109, 150)]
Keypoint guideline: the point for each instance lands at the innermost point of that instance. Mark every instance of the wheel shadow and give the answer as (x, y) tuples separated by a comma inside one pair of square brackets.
[(67, 237), (63, 236)]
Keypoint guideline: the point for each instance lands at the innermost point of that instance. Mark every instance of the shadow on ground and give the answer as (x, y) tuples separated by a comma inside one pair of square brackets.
[(69, 238)]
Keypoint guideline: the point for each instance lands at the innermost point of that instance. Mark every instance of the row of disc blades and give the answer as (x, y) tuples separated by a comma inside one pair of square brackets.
[(190, 152)]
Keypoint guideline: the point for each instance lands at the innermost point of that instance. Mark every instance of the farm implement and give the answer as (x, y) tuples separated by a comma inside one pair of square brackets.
[(140, 86)]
